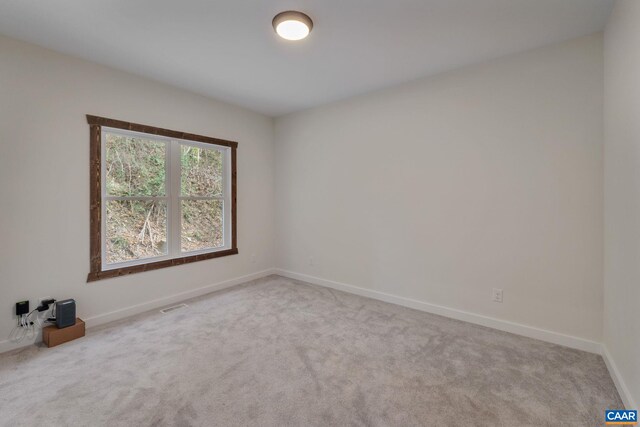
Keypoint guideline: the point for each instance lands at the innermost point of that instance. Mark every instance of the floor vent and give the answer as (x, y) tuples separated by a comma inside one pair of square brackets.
[(175, 307)]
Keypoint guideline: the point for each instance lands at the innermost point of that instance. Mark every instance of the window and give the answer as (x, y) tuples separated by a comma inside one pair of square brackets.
[(158, 198)]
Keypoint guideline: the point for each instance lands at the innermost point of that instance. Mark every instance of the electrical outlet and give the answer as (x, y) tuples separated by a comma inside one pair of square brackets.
[(497, 295), (253, 258), (311, 262)]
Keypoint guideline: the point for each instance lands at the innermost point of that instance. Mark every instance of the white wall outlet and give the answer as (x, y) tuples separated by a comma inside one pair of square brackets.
[(497, 295), (253, 258), (311, 261)]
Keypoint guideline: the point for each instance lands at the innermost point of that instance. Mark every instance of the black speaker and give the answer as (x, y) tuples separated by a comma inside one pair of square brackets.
[(65, 313)]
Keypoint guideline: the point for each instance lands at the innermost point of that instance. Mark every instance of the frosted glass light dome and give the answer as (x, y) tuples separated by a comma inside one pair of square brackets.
[(292, 25)]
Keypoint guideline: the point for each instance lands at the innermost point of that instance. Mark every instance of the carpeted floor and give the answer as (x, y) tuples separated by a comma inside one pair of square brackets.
[(276, 352)]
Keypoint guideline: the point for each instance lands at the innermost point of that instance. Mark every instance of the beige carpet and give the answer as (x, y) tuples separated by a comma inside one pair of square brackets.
[(276, 352)]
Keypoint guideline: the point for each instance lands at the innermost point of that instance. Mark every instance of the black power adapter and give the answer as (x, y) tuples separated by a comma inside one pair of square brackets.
[(44, 304), (22, 308)]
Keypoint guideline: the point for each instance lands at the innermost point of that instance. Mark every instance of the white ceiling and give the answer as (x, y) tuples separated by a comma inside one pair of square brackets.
[(227, 49)]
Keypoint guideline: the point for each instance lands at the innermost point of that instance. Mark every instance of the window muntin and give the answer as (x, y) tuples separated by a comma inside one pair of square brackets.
[(151, 217), (205, 189), (158, 198)]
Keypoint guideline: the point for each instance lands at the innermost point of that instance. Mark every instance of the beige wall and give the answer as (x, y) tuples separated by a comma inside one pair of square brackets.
[(437, 190), (442, 189), (622, 194), (44, 180)]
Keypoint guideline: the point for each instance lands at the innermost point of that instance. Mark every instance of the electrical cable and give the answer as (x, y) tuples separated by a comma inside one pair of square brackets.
[(25, 327)]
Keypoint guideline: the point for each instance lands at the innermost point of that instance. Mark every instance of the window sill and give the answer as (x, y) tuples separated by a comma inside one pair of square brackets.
[(107, 274)]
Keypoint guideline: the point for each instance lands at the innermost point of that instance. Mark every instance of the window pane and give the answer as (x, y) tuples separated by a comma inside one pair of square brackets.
[(134, 166), (201, 224), (135, 229), (201, 171)]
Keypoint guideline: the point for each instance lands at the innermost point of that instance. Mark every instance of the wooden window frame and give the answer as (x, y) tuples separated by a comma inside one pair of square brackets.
[(96, 271)]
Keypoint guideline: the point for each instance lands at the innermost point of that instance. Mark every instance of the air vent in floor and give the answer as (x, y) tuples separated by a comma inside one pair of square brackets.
[(173, 308)]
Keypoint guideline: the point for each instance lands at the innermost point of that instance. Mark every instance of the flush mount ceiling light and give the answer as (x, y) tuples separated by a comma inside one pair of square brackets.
[(292, 25)]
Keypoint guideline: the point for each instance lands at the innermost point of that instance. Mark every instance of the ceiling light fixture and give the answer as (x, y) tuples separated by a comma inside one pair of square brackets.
[(292, 25)]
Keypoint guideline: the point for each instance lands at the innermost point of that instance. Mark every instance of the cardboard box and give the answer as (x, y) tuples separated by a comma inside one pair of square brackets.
[(52, 336)]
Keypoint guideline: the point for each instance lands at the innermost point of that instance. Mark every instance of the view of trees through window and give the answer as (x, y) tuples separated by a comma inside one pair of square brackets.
[(137, 198), (201, 218)]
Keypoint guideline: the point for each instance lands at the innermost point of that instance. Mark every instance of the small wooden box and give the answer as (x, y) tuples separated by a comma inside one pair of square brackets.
[(52, 336)]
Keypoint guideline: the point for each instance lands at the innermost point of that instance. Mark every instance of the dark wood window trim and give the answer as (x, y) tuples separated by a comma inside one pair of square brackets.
[(95, 195)]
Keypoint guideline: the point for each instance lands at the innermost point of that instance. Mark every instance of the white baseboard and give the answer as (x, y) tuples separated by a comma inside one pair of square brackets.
[(623, 391), (100, 319), (122, 313), (502, 325), (8, 345)]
